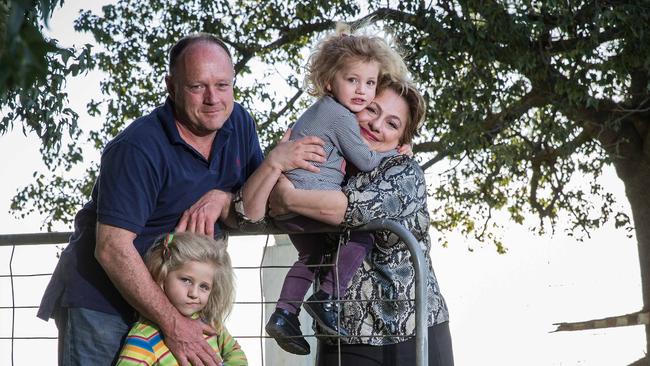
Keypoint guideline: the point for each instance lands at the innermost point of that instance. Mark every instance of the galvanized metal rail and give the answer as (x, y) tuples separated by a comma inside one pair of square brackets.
[(417, 256)]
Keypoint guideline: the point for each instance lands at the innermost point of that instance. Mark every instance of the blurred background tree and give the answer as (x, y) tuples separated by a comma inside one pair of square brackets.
[(33, 72), (529, 100)]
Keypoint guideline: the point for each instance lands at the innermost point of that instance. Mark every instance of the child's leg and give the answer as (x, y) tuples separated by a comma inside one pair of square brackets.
[(301, 276), (350, 256), (311, 248)]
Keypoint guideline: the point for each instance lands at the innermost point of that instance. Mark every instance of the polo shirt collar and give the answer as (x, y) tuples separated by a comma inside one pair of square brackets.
[(169, 122)]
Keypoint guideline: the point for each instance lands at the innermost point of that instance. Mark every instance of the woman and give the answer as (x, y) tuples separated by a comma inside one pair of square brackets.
[(380, 332)]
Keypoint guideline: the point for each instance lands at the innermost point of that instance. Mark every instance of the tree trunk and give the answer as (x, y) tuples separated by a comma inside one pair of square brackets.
[(636, 178)]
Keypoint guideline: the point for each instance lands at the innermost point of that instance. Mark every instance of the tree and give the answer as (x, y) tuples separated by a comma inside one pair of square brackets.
[(525, 96), (32, 90)]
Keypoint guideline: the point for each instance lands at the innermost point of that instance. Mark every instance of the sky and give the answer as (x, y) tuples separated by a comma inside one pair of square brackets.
[(502, 307)]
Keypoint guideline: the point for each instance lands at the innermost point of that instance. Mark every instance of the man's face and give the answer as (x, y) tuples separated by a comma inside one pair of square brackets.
[(201, 87)]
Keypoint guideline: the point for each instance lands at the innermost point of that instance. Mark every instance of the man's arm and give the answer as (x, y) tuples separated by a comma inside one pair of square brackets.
[(216, 204), (116, 253)]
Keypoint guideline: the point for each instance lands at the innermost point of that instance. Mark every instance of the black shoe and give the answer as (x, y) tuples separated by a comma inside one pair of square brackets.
[(325, 311), (284, 327)]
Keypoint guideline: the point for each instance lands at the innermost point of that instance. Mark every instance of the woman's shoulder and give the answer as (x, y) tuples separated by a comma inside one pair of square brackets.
[(403, 163), (392, 171)]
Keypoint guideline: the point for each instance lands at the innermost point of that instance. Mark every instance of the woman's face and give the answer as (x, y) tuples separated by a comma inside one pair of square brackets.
[(383, 121)]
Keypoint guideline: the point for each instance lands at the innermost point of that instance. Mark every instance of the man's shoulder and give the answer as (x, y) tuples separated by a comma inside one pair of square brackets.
[(402, 162), (240, 113), (240, 118), (143, 130)]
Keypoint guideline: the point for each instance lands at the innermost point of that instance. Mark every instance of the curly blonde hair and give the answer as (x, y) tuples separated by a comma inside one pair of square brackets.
[(342, 47), (181, 248)]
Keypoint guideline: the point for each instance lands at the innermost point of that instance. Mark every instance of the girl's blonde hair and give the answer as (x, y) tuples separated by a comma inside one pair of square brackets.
[(336, 50), (171, 251)]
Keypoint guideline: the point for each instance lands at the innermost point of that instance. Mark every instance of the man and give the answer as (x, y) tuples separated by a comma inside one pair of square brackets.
[(183, 160)]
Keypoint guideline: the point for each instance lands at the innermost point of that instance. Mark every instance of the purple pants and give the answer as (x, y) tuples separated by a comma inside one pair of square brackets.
[(311, 251)]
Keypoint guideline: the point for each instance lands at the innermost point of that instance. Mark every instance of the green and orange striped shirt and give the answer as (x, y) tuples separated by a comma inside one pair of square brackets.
[(145, 345)]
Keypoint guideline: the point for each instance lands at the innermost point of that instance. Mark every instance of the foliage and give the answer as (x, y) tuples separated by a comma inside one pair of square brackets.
[(529, 100), (32, 92)]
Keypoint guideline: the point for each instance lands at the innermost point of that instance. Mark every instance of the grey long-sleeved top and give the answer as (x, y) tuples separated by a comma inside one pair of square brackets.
[(338, 127)]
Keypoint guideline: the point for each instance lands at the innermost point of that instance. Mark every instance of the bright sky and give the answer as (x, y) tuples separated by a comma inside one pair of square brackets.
[(502, 306)]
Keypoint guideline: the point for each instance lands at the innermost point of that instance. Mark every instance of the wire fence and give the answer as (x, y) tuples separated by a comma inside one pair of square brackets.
[(13, 241)]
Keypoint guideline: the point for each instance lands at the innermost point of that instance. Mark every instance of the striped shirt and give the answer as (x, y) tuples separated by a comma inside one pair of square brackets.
[(144, 345), (338, 127)]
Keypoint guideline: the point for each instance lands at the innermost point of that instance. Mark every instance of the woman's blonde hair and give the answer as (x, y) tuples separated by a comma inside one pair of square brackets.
[(338, 49), (171, 251), (417, 106)]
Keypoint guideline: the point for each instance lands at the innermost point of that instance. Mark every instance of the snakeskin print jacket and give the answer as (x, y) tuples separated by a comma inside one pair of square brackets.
[(395, 190), (381, 312)]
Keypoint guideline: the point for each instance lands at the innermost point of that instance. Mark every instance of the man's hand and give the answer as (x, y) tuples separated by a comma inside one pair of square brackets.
[(288, 155), (184, 337), (201, 216)]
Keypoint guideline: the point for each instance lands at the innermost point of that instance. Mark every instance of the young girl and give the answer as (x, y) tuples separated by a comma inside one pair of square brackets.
[(195, 273), (344, 72)]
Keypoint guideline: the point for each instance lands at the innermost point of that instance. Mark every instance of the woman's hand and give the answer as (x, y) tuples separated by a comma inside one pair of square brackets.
[(406, 149), (285, 156), (278, 201), (288, 155)]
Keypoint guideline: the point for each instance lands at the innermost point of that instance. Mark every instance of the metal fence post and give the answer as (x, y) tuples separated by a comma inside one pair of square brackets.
[(419, 264)]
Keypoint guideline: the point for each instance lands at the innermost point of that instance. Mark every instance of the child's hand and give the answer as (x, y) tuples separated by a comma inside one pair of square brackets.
[(405, 149)]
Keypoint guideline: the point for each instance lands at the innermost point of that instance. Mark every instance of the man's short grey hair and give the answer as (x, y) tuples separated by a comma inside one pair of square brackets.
[(177, 49)]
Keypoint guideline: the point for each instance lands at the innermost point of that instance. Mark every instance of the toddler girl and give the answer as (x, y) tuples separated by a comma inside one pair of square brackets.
[(344, 72), (195, 273)]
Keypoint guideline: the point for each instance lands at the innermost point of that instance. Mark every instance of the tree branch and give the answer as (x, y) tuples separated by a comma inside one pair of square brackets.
[(494, 123), (638, 318), (288, 36), (435, 159), (549, 157), (550, 78), (640, 102), (623, 142), (582, 16), (427, 146), (274, 115), (564, 45), (491, 126), (547, 210)]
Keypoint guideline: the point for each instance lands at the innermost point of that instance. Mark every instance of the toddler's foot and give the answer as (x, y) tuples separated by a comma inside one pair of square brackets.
[(325, 311), (284, 327)]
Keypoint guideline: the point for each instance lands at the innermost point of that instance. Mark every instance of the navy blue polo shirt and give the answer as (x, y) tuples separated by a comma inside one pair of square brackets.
[(148, 177)]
